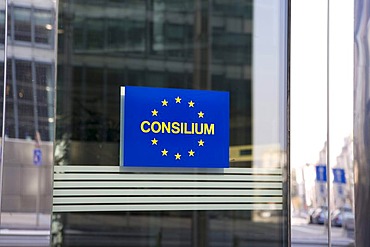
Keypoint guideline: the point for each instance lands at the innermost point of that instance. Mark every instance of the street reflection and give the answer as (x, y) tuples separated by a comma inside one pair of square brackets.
[(310, 199)]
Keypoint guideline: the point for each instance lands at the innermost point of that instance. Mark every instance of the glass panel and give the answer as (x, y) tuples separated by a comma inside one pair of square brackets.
[(309, 126), (43, 27), (22, 24), (45, 98), (2, 26), (341, 123), (208, 45), (361, 144), (314, 198), (116, 33), (94, 34), (26, 195)]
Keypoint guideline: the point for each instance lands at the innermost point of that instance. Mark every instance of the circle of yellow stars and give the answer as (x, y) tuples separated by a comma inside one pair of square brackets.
[(155, 112)]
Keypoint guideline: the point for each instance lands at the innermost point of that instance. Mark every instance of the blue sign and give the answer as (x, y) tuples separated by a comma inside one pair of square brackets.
[(339, 176), (340, 189), (322, 189), (162, 127), (37, 156), (321, 173)]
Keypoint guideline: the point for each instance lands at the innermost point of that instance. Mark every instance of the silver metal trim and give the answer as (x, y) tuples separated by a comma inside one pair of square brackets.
[(4, 104), (110, 169), (176, 177), (156, 207), (164, 199), (167, 192), (165, 184)]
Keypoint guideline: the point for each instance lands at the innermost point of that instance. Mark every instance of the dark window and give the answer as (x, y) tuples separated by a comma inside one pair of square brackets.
[(78, 34), (136, 36), (43, 26), (95, 34), (22, 24), (43, 75), (2, 27), (116, 34)]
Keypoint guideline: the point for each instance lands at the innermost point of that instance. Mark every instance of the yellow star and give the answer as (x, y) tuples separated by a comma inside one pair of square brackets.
[(177, 156), (191, 152), (201, 143), (201, 114), (178, 99), (154, 141), (155, 112), (164, 102), (191, 103), (164, 152)]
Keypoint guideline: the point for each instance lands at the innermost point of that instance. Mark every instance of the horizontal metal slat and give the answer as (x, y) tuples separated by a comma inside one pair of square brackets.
[(156, 184), (119, 169), (156, 207), (175, 177), (149, 200), (164, 192), (114, 188)]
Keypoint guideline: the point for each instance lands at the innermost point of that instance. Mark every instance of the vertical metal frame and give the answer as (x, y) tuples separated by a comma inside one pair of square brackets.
[(15, 98), (34, 91), (328, 120), (4, 105), (287, 200)]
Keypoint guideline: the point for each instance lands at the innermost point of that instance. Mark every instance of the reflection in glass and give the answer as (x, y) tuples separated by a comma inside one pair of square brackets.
[(361, 143), (43, 26), (22, 24), (29, 115), (178, 44)]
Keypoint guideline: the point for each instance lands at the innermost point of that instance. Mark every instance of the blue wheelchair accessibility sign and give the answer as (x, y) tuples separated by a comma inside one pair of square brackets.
[(37, 156)]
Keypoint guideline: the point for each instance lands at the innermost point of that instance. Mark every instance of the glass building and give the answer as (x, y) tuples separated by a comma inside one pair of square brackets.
[(63, 64), (31, 62), (28, 118), (207, 45)]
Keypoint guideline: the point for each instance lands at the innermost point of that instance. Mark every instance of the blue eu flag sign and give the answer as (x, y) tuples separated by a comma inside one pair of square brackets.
[(162, 127)]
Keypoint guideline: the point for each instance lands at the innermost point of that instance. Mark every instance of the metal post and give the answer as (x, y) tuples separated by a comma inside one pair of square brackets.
[(327, 119), (15, 99), (4, 105)]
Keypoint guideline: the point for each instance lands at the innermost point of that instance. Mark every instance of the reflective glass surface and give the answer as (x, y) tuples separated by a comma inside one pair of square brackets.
[(27, 144), (322, 144), (208, 45), (361, 143), (234, 46)]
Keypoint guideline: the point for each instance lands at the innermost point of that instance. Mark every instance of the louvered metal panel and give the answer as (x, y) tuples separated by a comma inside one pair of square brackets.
[(114, 188)]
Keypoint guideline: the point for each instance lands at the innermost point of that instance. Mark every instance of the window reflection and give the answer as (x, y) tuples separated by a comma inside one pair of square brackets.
[(2, 26), (164, 43), (43, 21), (21, 112), (22, 24), (29, 26), (29, 112)]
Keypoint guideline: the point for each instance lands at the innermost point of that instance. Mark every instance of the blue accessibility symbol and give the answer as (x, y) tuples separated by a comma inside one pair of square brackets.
[(37, 156)]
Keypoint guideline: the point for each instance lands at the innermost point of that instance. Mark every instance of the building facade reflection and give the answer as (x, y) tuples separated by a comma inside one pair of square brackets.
[(207, 45), (26, 192)]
